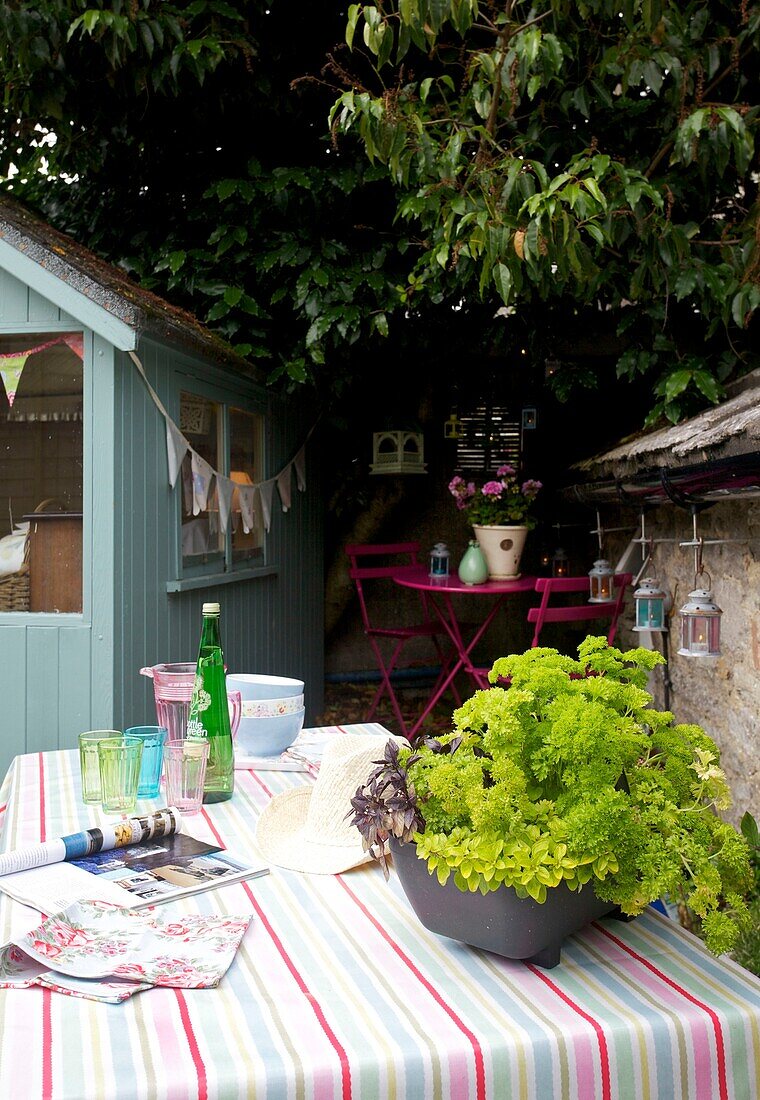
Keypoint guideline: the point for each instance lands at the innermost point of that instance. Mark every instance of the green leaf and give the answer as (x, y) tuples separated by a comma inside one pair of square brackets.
[(686, 282), (708, 385), (676, 383), (502, 277)]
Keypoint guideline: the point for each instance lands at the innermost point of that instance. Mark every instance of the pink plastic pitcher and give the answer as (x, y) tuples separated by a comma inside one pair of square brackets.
[(173, 689)]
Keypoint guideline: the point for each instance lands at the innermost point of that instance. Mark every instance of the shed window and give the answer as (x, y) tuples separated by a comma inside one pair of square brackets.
[(41, 443), (230, 440)]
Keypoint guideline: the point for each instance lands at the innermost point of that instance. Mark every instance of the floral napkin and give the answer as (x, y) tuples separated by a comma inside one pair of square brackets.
[(99, 950)]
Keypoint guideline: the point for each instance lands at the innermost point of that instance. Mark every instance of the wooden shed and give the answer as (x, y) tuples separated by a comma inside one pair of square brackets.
[(145, 469)]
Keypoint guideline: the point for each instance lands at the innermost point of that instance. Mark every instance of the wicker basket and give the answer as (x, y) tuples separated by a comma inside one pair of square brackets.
[(14, 590), (14, 587)]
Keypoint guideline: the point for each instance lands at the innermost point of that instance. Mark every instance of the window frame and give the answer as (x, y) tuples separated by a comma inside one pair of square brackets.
[(219, 567), (35, 327)]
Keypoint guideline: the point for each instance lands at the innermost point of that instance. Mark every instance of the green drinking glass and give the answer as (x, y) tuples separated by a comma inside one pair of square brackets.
[(89, 764), (119, 759)]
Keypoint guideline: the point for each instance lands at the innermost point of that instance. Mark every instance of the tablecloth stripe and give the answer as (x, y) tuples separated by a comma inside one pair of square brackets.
[(739, 1004), (658, 1053), (192, 1042), (302, 985), (472, 1039), (720, 1051)]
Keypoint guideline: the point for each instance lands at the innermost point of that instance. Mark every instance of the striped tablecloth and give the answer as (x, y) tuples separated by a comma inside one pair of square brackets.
[(338, 992)]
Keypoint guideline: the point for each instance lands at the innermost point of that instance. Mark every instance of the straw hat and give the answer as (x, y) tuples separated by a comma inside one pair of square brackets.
[(306, 829)]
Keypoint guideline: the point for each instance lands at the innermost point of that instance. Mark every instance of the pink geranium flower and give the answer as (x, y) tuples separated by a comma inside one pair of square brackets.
[(500, 501)]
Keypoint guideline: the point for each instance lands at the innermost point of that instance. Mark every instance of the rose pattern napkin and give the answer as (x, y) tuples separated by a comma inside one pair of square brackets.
[(103, 951)]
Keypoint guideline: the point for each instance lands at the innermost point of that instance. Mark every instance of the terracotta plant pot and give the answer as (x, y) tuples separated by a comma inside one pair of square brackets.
[(518, 928), (502, 548)]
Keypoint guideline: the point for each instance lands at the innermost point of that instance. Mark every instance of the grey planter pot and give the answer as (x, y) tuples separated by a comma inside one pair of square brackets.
[(518, 928)]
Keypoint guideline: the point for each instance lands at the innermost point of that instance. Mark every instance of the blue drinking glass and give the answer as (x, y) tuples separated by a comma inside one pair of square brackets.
[(153, 738)]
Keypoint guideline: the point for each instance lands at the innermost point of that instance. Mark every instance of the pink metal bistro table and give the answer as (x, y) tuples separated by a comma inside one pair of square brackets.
[(441, 593)]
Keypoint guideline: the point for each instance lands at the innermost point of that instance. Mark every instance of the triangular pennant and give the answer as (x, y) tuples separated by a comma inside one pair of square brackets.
[(265, 494), (202, 476), (283, 487), (246, 497), (176, 449), (224, 487), (299, 463), (75, 340), (11, 367)]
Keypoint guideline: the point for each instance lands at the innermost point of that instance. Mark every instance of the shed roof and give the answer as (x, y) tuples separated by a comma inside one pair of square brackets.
[(98, 293), (716, 452)]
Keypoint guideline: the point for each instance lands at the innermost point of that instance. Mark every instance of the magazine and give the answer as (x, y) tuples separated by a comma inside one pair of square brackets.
[(134, 876)]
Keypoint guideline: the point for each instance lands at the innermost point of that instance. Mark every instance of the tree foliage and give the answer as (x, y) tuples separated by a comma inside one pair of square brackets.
[(593, 150)]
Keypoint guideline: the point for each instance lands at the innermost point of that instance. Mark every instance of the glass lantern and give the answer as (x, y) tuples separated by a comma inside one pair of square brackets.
[(439, 561), (601, 582), (700, 625), (649, 599), (560, 563)]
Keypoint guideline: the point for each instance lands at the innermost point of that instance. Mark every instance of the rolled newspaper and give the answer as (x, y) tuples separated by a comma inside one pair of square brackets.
[(117, 834)]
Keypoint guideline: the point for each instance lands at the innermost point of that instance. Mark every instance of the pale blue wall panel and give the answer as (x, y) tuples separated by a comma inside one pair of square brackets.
[(77, 701), (14, 300), (42, 678), (13, 692), (22, 305)]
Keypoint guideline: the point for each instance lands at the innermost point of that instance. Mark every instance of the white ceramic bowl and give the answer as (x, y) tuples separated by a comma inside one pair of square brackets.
[(252, 686), (268, 736)]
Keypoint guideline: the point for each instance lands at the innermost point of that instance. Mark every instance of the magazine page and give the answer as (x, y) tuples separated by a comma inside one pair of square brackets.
[(114, 834), (134, 876)]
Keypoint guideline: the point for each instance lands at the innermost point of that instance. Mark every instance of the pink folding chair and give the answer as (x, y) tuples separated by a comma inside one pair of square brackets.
[(579, 611), (389, 642), (550, 612)]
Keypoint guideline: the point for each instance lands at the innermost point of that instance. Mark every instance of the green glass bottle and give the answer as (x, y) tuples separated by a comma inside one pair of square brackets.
[(209, 715)]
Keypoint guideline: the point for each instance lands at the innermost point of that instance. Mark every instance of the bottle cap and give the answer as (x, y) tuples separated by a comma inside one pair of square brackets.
[(211, 609)]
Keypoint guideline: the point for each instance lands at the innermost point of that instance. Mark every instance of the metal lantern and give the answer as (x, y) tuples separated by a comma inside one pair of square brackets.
[(649, 599), (545, 557), (601, 582), (560, 564), (439, 561), (700, 625)]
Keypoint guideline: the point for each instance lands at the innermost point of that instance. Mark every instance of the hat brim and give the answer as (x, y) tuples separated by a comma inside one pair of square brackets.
[(285, 840)]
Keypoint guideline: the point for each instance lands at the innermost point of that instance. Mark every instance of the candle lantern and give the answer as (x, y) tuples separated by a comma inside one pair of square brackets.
[(649, 599), (601, 581), (560, 563), (439, 561), (545, 557), (700, 625)]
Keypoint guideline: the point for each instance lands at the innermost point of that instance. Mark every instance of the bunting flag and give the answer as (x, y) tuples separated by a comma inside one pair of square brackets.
[(265, 497), (284, 488), (247, 497), (224, 487), (203, 475), (12, 363), (255, 500), (176, 449)]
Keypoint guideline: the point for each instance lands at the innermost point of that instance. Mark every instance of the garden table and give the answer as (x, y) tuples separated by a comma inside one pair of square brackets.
[(339, 993), (442, 593)]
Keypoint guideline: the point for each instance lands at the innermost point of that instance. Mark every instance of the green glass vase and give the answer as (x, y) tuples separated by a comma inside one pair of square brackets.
[(472, 567)]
